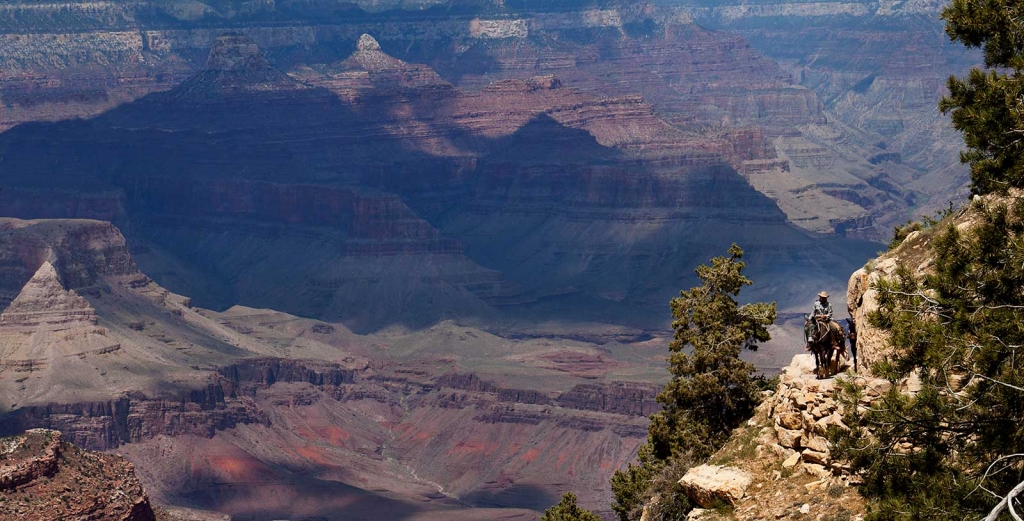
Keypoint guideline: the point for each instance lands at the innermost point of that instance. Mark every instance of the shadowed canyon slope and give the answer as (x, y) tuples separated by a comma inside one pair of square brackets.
[(412, 259), (819, 140), (373, 192), (257, 413)]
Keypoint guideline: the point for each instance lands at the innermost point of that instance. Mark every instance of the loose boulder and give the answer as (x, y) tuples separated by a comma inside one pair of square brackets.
[(707, 485)]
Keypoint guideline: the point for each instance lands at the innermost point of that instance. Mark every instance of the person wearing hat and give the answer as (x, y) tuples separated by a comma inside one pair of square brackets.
[(823, 314), (822, 309)]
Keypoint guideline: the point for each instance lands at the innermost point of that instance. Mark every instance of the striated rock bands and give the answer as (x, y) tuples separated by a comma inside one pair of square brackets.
[(43, 301), (108, 425), (411, 200), (843, 92)]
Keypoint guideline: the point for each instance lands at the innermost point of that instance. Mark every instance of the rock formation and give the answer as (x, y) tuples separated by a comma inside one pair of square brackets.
[(235, 67), (371, 67), (43, 301), (413, 201), (861, 295), (44, 477), (837, 175), (203, 401), (708, 485)]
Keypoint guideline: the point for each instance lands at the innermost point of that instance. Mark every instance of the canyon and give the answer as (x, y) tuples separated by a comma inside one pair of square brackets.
[(256, 413), (412, 201), (411, 259), (837, 126), (879, 70)]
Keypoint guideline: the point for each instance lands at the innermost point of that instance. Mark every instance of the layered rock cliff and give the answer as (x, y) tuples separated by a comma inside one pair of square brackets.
[(413, 201), (709, 81), (42, 476)]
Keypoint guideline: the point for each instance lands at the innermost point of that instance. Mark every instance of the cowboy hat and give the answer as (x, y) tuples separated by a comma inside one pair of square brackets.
[(823, 294)]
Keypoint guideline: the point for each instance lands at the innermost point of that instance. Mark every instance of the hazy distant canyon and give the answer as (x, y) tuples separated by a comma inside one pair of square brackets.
[(311, 258)]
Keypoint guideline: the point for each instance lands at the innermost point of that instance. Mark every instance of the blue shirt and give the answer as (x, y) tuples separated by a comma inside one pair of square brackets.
[(822, 310)]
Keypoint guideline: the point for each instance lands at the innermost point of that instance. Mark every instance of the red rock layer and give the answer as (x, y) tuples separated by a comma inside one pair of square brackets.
[(44, 477)]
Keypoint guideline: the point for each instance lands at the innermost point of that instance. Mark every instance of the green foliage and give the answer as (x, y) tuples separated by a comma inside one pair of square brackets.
[(711, 391), (636, 485), (567, 510), (987, 105), (630, 485), (937, 454), (900, 233)]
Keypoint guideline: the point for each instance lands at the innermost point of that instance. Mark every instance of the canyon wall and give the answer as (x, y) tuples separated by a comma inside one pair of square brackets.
[(414, 201), (713, 82), (879, 68), (209, 405)]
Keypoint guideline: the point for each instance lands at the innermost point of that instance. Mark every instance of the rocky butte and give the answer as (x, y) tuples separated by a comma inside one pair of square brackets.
[(411, 200), (44, 477), (411, 259), (252, 410)]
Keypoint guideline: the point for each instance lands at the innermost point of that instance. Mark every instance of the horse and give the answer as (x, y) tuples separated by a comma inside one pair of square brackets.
[(823, 341), (852, 336)]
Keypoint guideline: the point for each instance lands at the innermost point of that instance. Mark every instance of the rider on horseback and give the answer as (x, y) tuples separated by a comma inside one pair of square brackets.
[(824, 336), (823, 314), (822, 309)]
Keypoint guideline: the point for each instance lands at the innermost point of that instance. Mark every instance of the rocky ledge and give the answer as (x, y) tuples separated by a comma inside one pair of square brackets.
[(803, 410), (44, 477), (779, 465)]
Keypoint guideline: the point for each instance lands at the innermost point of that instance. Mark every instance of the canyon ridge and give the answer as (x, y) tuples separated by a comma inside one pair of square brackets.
[(412, 259)]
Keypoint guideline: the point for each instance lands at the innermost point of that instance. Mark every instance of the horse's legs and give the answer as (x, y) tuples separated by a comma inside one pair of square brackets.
[(817, 362), (824, 356)]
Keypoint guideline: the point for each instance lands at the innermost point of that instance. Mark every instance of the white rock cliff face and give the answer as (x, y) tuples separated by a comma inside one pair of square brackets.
[(729, 11), (862, 296)]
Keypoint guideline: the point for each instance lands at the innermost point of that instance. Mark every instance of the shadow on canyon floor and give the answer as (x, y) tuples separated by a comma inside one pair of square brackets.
[(516, 496)]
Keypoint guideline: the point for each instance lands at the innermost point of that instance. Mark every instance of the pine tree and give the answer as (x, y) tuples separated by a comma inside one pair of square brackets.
[(955, 448), (711, 390), (567, 510), (988, 105), (631, 485)]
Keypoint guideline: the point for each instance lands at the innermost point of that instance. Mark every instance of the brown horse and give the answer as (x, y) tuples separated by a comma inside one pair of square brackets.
[(823, 340)]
